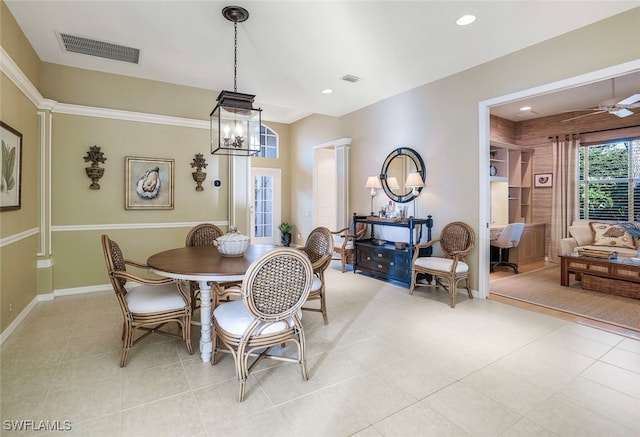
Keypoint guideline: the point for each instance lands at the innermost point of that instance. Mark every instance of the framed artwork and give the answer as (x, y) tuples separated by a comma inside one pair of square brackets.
[(149, 183), (11, 171), (543, 180)]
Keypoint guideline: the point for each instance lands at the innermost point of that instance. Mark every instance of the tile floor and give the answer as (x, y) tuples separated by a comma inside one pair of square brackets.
[(388, 364)]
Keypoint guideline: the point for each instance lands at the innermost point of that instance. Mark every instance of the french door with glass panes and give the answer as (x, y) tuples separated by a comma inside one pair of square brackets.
[(265, 205)]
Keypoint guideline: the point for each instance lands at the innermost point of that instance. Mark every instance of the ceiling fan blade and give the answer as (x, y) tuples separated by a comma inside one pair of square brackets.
[(583, 115), (630, 100), (622, 113), (581, 110)]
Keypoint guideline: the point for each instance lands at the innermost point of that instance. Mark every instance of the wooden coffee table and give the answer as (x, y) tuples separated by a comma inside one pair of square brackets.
[(619, 276)]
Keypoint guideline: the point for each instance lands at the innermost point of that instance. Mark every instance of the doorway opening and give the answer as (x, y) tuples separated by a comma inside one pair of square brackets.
[(484, 110), (331, 184)]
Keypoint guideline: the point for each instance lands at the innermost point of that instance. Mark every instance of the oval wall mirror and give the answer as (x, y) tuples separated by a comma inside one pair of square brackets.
[(395, 169)]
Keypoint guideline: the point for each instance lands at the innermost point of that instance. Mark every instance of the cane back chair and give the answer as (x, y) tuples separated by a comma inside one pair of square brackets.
[(319, 249), (148, 306), (456, 240), (268, 316), (205, 234), (344, 243)]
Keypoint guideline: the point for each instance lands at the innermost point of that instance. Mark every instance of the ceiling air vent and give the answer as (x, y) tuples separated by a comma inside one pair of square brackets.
[(102, 49), (350, 78)]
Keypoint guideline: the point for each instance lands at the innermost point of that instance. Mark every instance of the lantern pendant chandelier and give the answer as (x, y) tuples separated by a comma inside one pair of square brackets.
[(235, 124)]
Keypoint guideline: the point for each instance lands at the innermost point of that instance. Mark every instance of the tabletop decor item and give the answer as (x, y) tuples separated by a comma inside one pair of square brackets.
[(199, 176), (233, 243), (595, 253), (95, 172)]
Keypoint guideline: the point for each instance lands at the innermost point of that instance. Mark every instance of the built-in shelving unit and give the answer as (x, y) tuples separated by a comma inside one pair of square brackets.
[(512, 165)]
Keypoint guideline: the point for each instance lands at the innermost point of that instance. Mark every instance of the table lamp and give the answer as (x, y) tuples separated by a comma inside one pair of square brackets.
[(414, 181), (373, 182)]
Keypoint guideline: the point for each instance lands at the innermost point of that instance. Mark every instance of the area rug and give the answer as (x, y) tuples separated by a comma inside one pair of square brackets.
[(542, 287)]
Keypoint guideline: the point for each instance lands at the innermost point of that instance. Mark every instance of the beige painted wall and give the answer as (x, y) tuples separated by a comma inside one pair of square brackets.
[(103, 90), (74, 204), (305, 134), (17, 46), (18, 273), (78, 260)]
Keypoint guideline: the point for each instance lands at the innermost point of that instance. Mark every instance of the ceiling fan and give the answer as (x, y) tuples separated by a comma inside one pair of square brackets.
[(620, 108)]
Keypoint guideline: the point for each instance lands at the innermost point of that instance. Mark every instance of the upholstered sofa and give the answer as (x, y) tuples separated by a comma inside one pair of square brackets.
[(599, 235)]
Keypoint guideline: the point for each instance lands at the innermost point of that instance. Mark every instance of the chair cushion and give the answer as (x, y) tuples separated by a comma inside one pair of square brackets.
[(440, 264), (145, 299), (316, 284), (234, 318), (338, 241)]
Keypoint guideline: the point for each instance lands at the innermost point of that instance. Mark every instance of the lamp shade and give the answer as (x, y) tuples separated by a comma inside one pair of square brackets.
[(373, 182), (414, 180)]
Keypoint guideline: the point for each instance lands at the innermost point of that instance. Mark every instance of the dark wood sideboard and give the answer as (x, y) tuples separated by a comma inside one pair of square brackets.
[(383, 259)]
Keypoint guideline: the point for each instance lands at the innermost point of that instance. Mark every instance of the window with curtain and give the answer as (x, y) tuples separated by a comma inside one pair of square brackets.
[(268, 143), (609, 181)]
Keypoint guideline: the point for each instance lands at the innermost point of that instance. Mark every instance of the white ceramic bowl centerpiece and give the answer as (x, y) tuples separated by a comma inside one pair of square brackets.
[(232, 243)]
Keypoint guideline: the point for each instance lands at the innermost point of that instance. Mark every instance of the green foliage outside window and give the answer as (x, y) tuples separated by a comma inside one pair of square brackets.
[(609, 181)]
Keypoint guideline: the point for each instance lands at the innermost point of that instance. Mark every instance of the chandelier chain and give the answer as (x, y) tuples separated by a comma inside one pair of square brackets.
[(235, 57)]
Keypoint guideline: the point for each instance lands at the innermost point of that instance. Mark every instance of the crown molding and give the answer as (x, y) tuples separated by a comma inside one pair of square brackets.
[(15, 74), (116, 114)]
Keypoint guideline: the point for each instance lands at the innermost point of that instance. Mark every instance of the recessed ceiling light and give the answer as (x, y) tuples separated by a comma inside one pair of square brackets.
[(327, 91), (465, 19), (525, 108)]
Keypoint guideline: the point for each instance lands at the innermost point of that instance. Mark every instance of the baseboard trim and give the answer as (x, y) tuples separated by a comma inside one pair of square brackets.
[(16, 322)]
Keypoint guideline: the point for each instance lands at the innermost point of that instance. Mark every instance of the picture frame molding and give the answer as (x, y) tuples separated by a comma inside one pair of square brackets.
[(135, 168), (11, 202), (538, 180)]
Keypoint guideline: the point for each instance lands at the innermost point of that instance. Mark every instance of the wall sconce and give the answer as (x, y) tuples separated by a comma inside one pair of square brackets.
[(94, 172), (415, 182), (373, 182), (199, 176)]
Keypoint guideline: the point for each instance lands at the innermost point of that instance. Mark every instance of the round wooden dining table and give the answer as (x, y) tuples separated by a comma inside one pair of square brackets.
[(205, 264)]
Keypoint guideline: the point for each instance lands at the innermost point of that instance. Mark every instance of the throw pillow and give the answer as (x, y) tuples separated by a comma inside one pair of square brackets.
[(611, 235), (583, 234)]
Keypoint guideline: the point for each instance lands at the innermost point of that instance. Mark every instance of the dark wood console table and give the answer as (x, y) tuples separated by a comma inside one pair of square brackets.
[(383, 259)]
